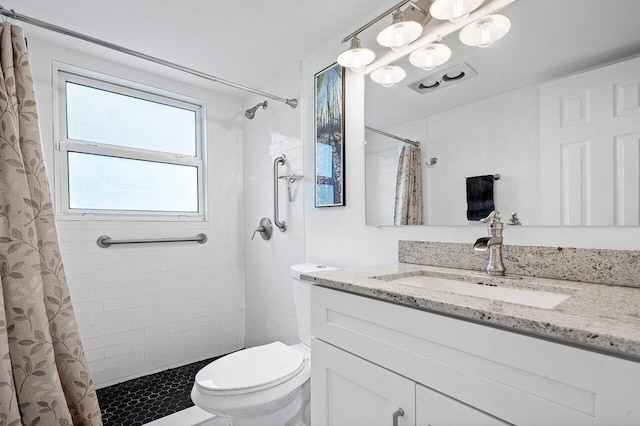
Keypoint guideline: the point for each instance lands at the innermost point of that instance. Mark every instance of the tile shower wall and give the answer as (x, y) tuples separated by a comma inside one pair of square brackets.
[(142, 309), (270, 313)]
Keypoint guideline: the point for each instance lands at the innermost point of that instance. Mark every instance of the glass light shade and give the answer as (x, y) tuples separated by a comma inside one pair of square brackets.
[(357, 57), (388, 75), (400, 33), (453, 10), (430, 56), (486, 31)]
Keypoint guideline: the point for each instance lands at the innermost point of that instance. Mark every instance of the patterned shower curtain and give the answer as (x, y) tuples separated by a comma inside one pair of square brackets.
[(408, 207), (44, 376)]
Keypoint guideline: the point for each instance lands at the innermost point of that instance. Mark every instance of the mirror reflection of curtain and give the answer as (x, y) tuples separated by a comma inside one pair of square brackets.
[(44, 375), (409, 205)]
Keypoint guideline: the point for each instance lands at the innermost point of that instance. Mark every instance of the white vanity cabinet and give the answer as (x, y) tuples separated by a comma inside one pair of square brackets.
[(436, 409), (352, 391), (372, 357), (349, 390)]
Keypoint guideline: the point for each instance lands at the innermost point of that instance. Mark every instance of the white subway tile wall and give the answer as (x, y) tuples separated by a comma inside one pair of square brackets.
[(270, 310), (146, 308)]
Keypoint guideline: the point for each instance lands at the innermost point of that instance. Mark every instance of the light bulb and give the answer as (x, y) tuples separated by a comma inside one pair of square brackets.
[(359, 68), (399, 37), (453, 10), (486, 33), (356, 58), (388, 75), (400, 33), (456, 12), (358, 62), (429, 61), (430, 56)]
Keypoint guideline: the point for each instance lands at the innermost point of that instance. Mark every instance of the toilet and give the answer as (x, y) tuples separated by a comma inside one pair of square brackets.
[(266, 385)]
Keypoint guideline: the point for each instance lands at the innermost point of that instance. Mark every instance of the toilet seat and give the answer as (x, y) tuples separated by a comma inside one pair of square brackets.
[(250, 370)]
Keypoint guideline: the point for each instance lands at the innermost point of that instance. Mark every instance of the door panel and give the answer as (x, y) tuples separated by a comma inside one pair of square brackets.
[(589, 132)]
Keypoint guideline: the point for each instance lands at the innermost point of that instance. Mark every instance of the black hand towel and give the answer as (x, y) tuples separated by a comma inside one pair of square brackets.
[(479, 197)]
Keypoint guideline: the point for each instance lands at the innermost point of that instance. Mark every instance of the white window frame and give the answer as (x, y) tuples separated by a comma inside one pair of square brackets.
[(63, 145)]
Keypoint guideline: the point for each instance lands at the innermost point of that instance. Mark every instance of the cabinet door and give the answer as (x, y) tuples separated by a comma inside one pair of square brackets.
[(436, 409), (349, 391)]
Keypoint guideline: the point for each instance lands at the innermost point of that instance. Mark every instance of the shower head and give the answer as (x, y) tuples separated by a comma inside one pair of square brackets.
[(251, 112)]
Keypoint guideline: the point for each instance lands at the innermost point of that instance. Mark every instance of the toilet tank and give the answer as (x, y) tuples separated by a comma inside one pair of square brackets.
[(302, 297)]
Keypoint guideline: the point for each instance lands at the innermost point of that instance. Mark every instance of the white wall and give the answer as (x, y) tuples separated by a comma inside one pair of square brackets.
[(339, 236), (270, 313), (497, 135), (142, 309), (381, 155)]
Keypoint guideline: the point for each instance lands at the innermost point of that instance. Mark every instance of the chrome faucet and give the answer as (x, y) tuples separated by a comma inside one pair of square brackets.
[(493, 244)]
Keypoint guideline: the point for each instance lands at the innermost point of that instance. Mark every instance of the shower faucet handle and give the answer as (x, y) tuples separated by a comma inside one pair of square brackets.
[(264, 228)]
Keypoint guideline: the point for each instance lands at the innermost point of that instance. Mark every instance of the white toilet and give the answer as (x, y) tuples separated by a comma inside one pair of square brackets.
[(265, 385)]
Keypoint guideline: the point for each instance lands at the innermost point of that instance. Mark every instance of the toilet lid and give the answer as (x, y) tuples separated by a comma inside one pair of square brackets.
[(251, 368)]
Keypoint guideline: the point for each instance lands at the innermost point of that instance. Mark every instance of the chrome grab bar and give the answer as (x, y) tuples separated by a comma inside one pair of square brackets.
[(105, 241), (282, 225)]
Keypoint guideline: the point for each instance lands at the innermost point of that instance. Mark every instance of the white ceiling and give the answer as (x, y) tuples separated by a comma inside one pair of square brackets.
[(249, 42), (252, 41)]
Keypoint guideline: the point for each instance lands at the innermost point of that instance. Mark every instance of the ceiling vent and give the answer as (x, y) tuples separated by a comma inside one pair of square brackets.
[(443, 78)]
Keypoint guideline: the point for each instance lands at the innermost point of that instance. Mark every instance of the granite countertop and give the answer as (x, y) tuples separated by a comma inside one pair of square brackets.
[(595, 316)]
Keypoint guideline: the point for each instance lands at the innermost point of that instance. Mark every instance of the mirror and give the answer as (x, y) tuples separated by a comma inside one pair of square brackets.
[(553, 108)]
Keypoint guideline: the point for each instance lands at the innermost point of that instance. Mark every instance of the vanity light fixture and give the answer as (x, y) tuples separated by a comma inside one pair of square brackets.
[(400, 33), (453, 10), (431, 56), (407, 27), (357, 57), (485, 31), (388, 75)]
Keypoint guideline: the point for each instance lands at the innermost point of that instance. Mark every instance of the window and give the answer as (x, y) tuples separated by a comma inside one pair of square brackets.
[(128, 150)]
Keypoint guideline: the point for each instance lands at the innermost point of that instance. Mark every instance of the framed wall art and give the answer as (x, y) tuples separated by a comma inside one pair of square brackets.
[(329, 134)]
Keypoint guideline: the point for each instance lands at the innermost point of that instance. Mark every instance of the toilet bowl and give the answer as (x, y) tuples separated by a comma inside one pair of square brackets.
[(266, 385)]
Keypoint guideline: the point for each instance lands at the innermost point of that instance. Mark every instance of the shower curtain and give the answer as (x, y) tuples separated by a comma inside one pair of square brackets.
[(44, 376), (408, 206)]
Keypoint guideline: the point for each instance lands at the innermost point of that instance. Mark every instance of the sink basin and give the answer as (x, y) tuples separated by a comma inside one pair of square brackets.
[(536, 298)]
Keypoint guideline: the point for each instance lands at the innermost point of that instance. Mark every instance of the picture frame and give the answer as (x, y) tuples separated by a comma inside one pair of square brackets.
[(329, 137)]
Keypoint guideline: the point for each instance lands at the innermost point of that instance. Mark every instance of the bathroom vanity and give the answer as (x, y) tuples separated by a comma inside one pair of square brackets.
[(394, 345)]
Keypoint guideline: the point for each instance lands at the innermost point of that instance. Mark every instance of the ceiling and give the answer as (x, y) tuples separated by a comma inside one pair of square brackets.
[(249, 42), (548, 39)]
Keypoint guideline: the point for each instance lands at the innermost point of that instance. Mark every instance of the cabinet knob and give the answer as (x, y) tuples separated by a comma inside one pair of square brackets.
[(398, 413)]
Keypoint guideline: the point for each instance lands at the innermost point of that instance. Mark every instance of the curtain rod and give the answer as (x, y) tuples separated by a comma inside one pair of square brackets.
[(389, 135), (38, 23)]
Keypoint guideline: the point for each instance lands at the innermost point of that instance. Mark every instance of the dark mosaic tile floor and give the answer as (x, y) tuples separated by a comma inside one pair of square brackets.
[(139, 401)]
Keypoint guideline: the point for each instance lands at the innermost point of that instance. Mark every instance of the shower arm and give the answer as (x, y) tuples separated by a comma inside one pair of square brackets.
[(282, 225)]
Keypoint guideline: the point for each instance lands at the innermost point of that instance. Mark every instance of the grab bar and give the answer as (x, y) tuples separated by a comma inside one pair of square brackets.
[(282, 225), (105, 241)]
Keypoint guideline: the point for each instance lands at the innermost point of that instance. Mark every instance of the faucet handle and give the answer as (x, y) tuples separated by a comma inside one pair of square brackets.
[(494, 217), (264, 228)]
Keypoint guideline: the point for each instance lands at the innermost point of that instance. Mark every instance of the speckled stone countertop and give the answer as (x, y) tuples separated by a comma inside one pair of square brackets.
[(596, 316)]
